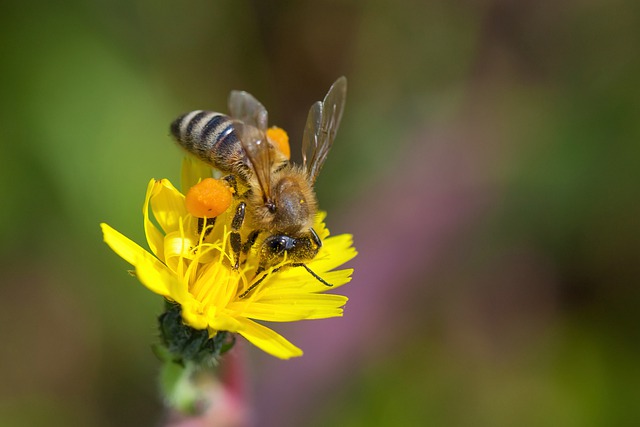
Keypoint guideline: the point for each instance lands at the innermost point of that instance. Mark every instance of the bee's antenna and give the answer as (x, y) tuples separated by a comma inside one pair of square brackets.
[(318, 278)]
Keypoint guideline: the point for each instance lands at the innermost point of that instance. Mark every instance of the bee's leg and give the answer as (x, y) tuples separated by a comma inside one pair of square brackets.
[(252, 287), (231, 180), (318, 278), (295, 264), (235, 238), (251, 240), (206, 224), (260, 280)]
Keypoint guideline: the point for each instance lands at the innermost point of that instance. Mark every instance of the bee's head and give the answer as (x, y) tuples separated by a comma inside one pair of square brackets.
[(274, 247)]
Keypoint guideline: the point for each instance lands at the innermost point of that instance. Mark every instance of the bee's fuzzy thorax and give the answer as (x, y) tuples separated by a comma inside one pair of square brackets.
[(294, 200)]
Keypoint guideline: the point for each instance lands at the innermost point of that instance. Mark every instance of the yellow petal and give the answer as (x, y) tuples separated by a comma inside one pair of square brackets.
[(319, 226), (335, 251), (193, 170), (267, 339), (298, 280), (154, 237), (217, 284), (292, 307), (177, 247), (222, 322), (151, 272), (167, 205), (193, 315)]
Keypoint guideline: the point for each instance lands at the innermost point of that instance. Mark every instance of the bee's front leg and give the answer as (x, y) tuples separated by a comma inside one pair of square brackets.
[(235, 238), (251, 240)]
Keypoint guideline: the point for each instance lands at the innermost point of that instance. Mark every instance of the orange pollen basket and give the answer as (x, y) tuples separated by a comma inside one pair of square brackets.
[(208, 198), (280, 139)]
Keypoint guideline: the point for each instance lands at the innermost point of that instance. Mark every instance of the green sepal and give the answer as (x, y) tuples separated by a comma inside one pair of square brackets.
[(183, 343)]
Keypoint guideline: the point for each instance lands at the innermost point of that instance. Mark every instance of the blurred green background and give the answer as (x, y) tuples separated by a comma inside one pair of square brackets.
[(487, 165)]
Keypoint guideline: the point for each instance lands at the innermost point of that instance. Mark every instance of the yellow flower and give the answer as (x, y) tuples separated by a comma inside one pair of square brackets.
[(193, 269)]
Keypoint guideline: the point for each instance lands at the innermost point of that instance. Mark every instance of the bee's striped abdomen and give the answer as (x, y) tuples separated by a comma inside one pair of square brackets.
[(209, 136)]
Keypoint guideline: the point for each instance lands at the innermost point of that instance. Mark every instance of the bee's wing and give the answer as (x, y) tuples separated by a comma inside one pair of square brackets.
[(258, 150), (321, 127), (244, 107)]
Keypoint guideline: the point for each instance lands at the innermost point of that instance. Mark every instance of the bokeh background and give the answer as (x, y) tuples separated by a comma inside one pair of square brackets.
[(487, 165)]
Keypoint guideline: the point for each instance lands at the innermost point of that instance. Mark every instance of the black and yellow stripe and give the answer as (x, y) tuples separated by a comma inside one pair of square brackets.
[(210, 136)]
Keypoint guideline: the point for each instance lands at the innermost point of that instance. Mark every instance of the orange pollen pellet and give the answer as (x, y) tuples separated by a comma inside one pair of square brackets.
[(208, 198), (280, 139)]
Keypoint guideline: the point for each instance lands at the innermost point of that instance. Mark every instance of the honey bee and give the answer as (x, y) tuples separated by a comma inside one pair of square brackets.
[(279, 201)]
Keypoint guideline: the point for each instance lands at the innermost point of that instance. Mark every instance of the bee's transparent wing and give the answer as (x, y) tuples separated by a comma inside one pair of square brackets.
[(258, 150), (321, 127), (245, 108)]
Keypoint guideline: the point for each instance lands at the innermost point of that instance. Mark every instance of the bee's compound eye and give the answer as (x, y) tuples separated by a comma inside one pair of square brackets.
[(279, 138), (277, 243), (208, 198)]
